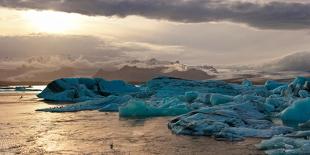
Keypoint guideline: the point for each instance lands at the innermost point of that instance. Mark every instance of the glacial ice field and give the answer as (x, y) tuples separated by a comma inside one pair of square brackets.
[(225, 111)]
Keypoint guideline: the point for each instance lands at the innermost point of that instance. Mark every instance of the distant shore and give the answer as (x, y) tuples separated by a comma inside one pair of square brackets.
[(255, 80), (16, 83)]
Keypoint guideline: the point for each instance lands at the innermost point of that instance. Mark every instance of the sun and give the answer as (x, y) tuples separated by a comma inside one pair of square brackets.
[(51, 21)]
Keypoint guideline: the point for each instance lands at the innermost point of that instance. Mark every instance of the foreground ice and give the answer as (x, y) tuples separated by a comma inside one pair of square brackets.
[(229, 122), (297, 143), (298, 112), (158, 94), (110, 104), (138, 108), (226, 111)]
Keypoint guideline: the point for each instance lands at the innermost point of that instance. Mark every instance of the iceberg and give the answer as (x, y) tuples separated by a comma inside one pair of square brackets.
[(238, 133), (271, 84), (278, 102), (307, 85), (232, 121), (110, 103), (191, 96), (163, 87), (225, 111), (281, 145), (217, 99), (83, 89), (298, 112), (305, 125), (280, 90), (139, 108), (247, 83), (303, 93), (295, 86), (116, 87)]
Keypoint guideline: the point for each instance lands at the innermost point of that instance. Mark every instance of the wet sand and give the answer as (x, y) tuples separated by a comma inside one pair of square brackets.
[(25, 131)]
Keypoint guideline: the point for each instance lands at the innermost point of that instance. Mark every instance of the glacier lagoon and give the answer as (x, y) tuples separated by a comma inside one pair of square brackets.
[(25, 131), (224, 111)]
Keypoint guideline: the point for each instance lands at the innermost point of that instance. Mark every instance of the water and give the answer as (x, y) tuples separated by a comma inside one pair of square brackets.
[(25, 131), (22, 89)]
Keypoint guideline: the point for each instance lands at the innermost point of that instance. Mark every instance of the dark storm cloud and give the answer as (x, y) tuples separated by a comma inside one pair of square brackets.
[(270, 15)]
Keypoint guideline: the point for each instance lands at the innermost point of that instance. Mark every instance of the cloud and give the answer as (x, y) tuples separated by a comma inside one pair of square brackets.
[(33, 56), (91, 48), (44, 68), (293, 62), (269, 15)]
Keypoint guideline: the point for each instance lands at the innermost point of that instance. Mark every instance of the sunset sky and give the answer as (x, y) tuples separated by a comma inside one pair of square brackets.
[(193, 31)]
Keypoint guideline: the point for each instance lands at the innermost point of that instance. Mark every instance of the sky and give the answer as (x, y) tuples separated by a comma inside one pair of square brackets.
[(195, 32)]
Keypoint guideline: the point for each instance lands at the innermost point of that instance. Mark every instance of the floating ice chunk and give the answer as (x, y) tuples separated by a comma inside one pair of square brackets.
[(248, 98), (78, 93), (204, 98), (163, 87), (257, 101), (278, 102), (247, 83), (271, 84), (197, 105), (102, 104), (261, 91), (235, 133), (217, 99), (307, 85), (268, 107), (117, 87), (297, 85), (279, 145), (305, 125), (300, 134), (139, 108), (191, 96), (300, 81), (280, 90), (229, 121), (83, 89), (253, 90), (298, 112), (303, 93)]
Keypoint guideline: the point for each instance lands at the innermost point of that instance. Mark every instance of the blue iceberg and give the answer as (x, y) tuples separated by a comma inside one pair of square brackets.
[(83, 89), (298, 112), (217, 99), (225, 111), (110, 103), (282, 145), (139, 108)]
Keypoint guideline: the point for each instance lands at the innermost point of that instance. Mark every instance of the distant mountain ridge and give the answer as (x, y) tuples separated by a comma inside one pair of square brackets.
[(49, 68), (136, 74), (140, 71)]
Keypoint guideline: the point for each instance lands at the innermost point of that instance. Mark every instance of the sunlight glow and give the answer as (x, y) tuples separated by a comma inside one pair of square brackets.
[(51, 21)]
